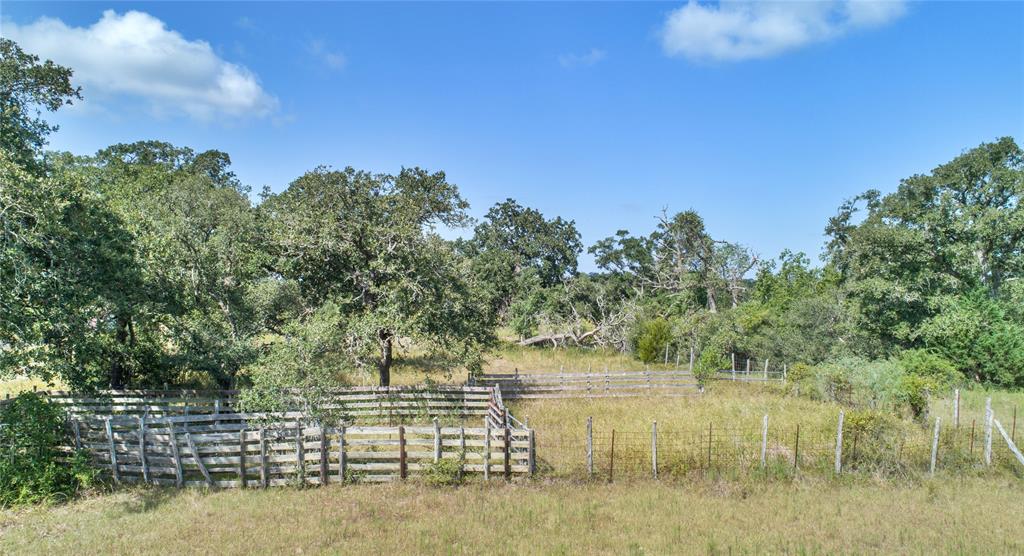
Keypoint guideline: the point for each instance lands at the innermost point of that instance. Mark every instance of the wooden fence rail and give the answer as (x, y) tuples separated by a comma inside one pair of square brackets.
[(591, 385), (249, 450), (356, 404)]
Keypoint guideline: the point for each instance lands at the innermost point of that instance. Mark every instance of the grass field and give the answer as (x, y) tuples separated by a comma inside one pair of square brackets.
[(969, 516), (966, 510)]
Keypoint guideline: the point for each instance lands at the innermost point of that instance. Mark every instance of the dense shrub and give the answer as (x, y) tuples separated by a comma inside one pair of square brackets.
[(710, 362), (924, 374), (652, 339), (444, 472), (32, 466)]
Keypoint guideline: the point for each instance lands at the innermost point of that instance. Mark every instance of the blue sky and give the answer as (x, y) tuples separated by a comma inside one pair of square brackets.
[(763, 118)]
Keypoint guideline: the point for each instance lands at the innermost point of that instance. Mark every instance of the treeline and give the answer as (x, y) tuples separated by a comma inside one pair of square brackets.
[(148, 264)]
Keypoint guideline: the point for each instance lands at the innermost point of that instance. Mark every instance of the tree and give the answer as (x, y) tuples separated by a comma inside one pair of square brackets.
[(64, 257), (927, 251), (514, 241), (201, 250), (685, 258), (26, 88), (364, 242)]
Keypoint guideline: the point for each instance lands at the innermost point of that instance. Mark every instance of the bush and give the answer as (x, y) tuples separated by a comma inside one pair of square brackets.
[(444, 472), (924, 373), (708, 364), (32, 465), (652, 339)]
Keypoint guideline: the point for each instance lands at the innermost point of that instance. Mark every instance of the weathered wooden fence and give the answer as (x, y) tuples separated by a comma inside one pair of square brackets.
[(608, 384), (362, 404), (248, 450)]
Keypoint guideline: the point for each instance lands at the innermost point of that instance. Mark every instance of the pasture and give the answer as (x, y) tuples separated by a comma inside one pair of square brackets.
[(643, 517)]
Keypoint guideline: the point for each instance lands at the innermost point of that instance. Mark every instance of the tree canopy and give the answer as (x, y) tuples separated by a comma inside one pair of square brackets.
[(150, 263)]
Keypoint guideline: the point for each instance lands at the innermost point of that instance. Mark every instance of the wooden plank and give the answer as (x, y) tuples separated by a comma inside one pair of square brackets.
[(325, 447), (241, 459), (532, 462), (179, 472), (142, 448), (508, 454), (300, 455), (264, 477), (437, 441), (113, 454), (487, 452), (341, 454), (402, 465), (198, 458)]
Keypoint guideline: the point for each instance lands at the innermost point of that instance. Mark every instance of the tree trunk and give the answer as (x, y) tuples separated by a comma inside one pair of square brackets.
[(384, 365), (712, 305)]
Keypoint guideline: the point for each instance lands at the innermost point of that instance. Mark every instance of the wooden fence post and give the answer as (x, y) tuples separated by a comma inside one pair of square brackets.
[(611, 460), (988, 431), (691, 360), (733, 355), (300, 453), (764, 441), (711, 439), (179, 472), (487, 451), (935, 448), (956, 408), (402, 465), (264, 471), (654, 449), (342, 463), (142, 449), (113, 452), (78, 434), (325, 447), (462, 449), (241, 458), (666, 354), (437, 438), (839, 444), (766, 368), (532, 451), (508, 454), (796, 449), (590, 446)]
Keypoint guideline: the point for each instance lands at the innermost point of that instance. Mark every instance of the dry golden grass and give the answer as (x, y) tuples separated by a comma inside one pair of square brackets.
[(968, 516)]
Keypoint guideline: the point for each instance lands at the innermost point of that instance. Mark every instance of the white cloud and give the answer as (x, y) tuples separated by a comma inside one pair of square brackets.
[(592, 57), (738, 30), (136, 54), (332, 59)]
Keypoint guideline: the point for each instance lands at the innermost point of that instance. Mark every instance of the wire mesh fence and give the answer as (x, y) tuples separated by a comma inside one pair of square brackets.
[(789, 448)]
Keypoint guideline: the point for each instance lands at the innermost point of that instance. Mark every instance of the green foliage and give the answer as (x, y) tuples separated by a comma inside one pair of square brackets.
[(708, 364), (363, 242), (444, 472), (26, 88), (33, 467), (652, 338), (301, 367)]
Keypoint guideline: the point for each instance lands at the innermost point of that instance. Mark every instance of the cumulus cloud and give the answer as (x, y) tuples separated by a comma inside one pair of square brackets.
[(136, 54), (592, 57), (738, 30)]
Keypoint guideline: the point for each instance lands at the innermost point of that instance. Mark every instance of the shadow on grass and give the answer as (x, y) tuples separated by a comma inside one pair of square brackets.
[(148, 498)]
